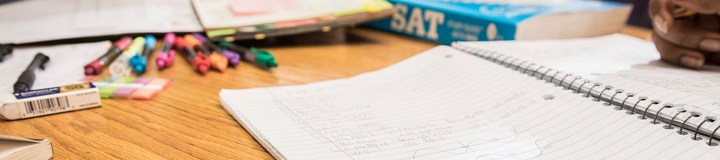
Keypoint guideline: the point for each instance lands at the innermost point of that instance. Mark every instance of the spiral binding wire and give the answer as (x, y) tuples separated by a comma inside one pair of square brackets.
[(559, 78)]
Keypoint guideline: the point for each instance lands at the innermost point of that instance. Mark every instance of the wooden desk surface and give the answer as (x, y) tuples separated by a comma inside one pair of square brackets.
[(187, 121)]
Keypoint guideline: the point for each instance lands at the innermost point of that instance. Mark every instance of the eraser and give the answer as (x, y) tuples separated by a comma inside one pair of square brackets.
[(39, 102)]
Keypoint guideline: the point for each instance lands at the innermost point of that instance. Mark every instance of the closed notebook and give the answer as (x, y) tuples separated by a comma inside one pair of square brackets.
[(462, 102), (12, 148)]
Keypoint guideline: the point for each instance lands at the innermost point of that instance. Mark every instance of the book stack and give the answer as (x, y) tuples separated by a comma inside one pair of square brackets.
[(251, 19)]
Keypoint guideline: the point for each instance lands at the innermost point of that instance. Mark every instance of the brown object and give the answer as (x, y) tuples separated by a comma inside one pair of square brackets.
[(187, 120)]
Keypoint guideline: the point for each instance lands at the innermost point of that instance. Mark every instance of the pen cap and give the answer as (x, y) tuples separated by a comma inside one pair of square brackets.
[(165, 60), (135, 47), (264, 58), (223, 44), (5, 51), (38, 62), (150, 42), (190, 40), (27, 78), (170, 38), (123, 43), (180, 43), (200, 37), (138, 63), (233, 57)]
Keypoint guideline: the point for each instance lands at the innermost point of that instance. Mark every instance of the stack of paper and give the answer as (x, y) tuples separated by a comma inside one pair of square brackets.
[(247, 19), (36, 21)]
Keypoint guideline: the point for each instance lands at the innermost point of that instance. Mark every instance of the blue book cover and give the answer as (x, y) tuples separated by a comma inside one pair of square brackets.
[(449, 21)]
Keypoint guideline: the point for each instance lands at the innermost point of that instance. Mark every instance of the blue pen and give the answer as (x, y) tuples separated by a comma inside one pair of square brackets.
[(139, 61)]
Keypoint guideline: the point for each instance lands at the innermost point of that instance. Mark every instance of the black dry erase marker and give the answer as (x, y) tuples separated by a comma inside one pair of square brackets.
[(27, 78), (5, 51)]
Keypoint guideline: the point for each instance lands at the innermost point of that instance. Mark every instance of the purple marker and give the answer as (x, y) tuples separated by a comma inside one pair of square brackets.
[(232, 57)]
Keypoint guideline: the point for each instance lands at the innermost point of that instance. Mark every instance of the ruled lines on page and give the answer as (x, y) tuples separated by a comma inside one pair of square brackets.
[(444, 104)]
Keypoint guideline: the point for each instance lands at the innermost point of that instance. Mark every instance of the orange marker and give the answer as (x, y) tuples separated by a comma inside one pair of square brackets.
[(217, 61)]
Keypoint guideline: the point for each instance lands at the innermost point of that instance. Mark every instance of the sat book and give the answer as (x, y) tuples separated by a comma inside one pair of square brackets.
[(446, 21)]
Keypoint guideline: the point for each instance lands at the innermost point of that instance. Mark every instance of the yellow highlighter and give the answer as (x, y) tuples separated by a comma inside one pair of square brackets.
[(121, 66)]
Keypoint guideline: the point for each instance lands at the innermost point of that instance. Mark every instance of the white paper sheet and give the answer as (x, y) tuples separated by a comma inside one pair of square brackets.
[(586, 57), (44, 20), (65, 65), (446, 104)]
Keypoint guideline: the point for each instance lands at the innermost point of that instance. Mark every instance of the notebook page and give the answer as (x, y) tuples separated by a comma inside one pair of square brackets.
[(705, 106), (443, 104), (704, 82), (65, 65), (586, 57), (36, 21)]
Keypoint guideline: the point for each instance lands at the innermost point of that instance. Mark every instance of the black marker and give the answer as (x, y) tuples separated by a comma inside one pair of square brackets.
[(27, 78), (5, 51)]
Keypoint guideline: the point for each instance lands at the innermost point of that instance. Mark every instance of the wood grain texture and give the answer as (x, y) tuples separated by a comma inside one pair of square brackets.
[(187, 121)]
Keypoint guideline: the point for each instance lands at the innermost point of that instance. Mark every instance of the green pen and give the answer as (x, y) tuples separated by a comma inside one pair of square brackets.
[(259, 57)]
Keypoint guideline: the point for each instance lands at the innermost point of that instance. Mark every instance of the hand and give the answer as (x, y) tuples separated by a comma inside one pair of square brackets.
[(687, 40)]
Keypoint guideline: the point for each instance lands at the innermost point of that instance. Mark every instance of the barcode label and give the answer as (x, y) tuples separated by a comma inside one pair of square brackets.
[(45, 106)]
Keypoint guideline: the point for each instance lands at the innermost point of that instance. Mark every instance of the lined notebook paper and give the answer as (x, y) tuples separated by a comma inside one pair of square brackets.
[(448, 104)]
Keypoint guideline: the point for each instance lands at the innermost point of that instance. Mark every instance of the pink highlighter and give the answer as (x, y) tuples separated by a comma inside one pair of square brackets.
[(166, 55), (94, 67)]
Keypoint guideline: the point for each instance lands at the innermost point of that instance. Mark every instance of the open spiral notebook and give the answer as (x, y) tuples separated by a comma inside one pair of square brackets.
[(462, 102)]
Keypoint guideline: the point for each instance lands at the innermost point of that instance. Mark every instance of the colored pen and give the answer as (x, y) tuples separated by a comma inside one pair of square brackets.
[(261, 58), (218, 61), (27, 78), (166, 55), (121, 66), (5, 51), (139, 62), (232, 57), (94, 67), (198, 60)]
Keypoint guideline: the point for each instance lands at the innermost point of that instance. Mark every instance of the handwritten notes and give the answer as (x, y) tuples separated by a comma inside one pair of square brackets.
[(704, 82), (446, 104)]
